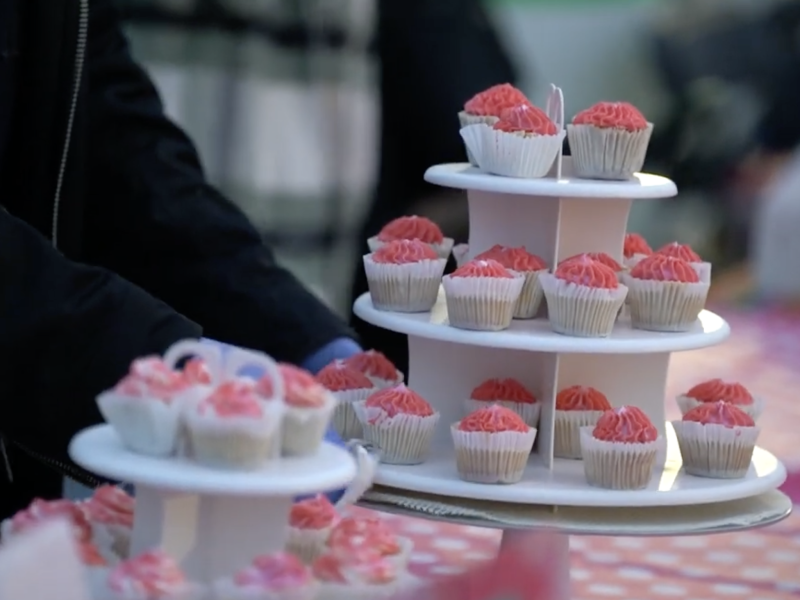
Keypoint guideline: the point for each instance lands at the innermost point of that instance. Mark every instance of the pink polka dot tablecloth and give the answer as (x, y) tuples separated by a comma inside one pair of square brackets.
[(763, 354)]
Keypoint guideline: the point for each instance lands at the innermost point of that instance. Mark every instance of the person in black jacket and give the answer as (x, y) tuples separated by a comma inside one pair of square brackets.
[(112, 243)]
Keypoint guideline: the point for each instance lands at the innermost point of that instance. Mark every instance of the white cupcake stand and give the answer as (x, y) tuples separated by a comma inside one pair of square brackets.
[(556, 217)]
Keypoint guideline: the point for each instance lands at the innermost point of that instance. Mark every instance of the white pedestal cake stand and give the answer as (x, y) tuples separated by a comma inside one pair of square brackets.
[(214, 522), (554, 218)]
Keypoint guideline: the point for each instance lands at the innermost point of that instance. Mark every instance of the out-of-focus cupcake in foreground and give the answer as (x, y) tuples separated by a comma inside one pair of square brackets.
[(508, 393), (363, 575), (310, 523), (378, 369), (634, 249), (717, 440), (583, 296), (664, 294), (609, 141), (619, 452), (577, 406), (348, 386), (482, 295), (404, 276), (150, 576), (413, 228), (685, 252), (278, 576), (530, 266), (353, 535), (110, 512), (492, 445), (716, 389)]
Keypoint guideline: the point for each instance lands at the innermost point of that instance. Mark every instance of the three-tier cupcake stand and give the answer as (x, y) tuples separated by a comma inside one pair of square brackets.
[(556, 217)]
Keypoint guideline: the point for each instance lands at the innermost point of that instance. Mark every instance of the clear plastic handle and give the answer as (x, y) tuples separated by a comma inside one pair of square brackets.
[(211, 355), (238, 359), (366, 467), (555, 111)]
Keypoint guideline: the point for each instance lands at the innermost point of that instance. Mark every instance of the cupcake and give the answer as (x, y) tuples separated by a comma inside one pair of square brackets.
[(601, 257), (197, 372), (664, 294), (460, 253), (485, 108), (145, 407), (717, 440), (530, 267), (685, 252), (310, 523), (482, 295), (508, 393), (378, 369), (348, 386), (619, 452), (716, 389), (523, 143), (400, 423), (583, 296), (576, 406), (278, 576), (413, 228), (40, 511), (609, 141), (234, 427), (110, 512), (150, 576), (308, 410), (354, 535), (364, 575), (634, 249), (492, 445), (404, 276)]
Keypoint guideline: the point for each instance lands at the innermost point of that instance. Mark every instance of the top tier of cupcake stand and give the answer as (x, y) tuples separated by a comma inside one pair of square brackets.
[(557, 217)]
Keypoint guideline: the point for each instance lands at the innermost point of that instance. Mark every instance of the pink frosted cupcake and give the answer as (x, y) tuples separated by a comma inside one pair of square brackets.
[(310, 523), (728, 391), (619, 452), (348, 386), (576, 406), (40, 511), (308, 409), (234, 427), (354, 535), (508, 393), (363, 575), (717, 440), (685, 252), (149, 576), (278, 576), (635, 248), (530, 266), (609, 141), (583, 296), (400, 422), (378, 369), (413, 228), (110, 512), (664, 294), (404, 276), (482, 295), (602, 257), (492, 445)]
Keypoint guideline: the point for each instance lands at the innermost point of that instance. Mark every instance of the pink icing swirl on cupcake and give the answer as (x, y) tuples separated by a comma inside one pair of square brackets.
[(496, 390), (373, 364), (628, 425), (612, 115), (635, 244), (40, 511), (659, 267), (301, 390), (583, 270), (492, 102), (581, 397), (717, 389), (412, 228), (516, 259), (398, 400), (338, 377), (682, 251), (233, 399), (354, 534), (151, 575), (404, 252), (525, 118), (493, 419), (110, 505), (482, 268), (150, 377), (601, 257), (313, 513), (720, 413), (364, 567), (274, 572)]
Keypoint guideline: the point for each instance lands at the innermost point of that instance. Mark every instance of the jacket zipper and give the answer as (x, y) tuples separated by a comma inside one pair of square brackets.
[(80, 57)]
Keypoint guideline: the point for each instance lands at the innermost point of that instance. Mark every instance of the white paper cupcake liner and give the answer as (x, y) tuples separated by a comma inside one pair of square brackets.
[(528, 411), (481, 303), (687, 403), (715, 451), (304, 428), (567, 436), (580, 310), (226, 589), (665, 305), (617, 465), (411, 287), (520, 155), (145, 425), (307, 544), (703, 270), (483, 457), (402, 439), (466, 120), (607, 153), (442, 250), (345, 420), (356, 591), (236, 443), (460, 252), (634, 260), (531, 296)]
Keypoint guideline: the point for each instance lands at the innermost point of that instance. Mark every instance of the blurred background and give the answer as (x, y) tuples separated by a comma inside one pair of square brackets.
[(285, 97)]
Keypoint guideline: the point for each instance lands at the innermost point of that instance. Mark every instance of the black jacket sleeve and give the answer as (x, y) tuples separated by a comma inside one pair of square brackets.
[(156, 220), (67, 332)]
